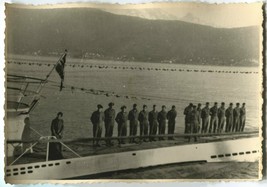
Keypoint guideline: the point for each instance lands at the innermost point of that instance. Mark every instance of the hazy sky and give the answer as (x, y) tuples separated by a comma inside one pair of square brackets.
[(222, 15)]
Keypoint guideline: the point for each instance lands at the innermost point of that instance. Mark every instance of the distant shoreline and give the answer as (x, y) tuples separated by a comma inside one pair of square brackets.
[(54, 58)]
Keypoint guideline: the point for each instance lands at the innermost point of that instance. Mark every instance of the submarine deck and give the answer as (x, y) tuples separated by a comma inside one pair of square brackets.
[(86, 148)]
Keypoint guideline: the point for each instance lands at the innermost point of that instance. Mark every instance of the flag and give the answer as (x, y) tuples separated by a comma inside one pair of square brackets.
[(60, 68)]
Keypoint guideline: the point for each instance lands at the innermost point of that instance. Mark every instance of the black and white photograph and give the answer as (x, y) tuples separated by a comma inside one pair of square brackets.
[(156, 91)]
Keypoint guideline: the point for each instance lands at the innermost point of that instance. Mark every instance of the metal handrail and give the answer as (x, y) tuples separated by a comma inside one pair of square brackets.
[(44, 139), (18, 77), (28, 149)]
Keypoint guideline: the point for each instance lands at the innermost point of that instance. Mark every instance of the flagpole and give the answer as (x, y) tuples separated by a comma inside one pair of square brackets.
[(48, 75)]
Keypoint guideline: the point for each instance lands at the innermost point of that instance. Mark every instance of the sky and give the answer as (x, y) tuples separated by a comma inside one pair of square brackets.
[(222, 15)]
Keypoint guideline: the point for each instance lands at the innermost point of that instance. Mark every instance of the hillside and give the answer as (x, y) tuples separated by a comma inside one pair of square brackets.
[(93, 33)]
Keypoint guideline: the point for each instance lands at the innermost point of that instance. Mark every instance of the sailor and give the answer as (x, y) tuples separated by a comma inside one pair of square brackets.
[(221, 117), (171, 116), (214, 118), (121, 119), (97, 120), (205, 115), (153, 122), (199, 116), (162, 117), (109, 122), (229, 114), (236, 126), (194, 122), (187, 111), (242, 117), (57, 127), (143, 121), (26, 135), (133, 118)]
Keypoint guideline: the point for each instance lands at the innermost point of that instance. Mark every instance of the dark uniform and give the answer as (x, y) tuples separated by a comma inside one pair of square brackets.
[(236, 126), (187, 112), (133, 118), (194, 122), (229, 113), (221, 117), (26, 135), (143, 120), (153, 123), (162, 117), (205, 115), (109, 123), (57, 128), (242, 118), (97, 120), (171, 116), (213, 119), (121, 119), (199, 116), (55, 148)]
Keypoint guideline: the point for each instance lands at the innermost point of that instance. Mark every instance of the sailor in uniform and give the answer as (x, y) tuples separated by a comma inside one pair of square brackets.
[(221, 117), (171, 116), (194, 122), (199, 116), (97, 120), (229, 114), (187, 112), (242, 117), (143, 121), (236, 126), (121, 120), (57, 127), (205, 115), (109, 122), (133, 118), (153, 122), (162, 118), (214, 118)]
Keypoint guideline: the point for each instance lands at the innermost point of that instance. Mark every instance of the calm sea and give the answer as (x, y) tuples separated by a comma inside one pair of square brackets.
[(133, 82)]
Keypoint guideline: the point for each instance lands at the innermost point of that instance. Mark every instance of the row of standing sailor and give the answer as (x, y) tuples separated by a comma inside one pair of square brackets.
[(197, 120), (213, 120), (151, 123)]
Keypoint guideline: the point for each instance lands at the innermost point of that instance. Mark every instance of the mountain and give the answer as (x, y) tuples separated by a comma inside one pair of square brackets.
[(94, 33), (151, 14)]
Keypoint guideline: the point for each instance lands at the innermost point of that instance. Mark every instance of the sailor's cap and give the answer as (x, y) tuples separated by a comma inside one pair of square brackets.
[(123, 107), (60, 113), (99, 106)]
